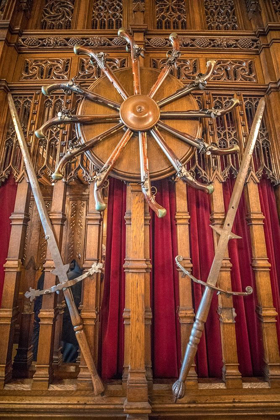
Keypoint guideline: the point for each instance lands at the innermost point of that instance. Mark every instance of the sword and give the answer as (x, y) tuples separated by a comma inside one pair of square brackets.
[(60, 268), (226, 234)]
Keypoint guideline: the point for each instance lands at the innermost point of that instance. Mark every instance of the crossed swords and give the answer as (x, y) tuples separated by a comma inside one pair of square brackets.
[(101, 176)]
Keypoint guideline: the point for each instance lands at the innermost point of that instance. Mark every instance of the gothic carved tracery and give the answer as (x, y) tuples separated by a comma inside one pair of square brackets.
[(107, 14), (38, 69), (234, 70), (220, 14), (57, 14), (171, 14)]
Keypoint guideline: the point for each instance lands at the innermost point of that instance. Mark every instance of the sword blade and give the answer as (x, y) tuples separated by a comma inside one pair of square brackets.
[(225, 235)]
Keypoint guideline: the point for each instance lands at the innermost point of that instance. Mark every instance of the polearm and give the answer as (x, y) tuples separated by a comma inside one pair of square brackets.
[(225, 233), (60, 269)]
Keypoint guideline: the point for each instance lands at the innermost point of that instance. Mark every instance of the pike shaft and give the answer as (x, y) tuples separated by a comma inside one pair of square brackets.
[(225, 236), (61, 270)]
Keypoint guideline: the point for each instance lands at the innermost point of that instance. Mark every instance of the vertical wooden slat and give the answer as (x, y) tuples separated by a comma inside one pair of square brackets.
[(89, 312), (136, 269), (186, 310), (13, 268), (231, 374), (126, 312), (44, 369), (148, 310)]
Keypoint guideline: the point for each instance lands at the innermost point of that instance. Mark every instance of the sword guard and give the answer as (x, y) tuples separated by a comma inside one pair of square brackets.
[(219, 231), (228, 293)]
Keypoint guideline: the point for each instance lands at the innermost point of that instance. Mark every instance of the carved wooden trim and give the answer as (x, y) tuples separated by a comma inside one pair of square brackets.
[(33, 42), (186, 69), (89, 70), (234, 71), (107, 14)]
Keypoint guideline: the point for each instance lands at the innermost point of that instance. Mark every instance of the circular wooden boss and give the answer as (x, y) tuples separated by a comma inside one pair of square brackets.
[(127, 166)]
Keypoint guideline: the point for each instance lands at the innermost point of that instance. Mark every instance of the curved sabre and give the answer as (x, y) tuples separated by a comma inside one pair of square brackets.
[(66, 119), (198, 143), (135, 51), (100, 59), (199, 83), (81, 148), (103, 174), (172, 58), (47, 90), (145, 177), (179, 167)]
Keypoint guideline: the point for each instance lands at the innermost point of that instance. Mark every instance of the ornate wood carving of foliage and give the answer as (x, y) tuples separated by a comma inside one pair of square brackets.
[(107, 14), (234, 71), (186, 69), (252, 6), (171, 14), (276, 5), (202, 42), (38, 69), (69, 42), (76, 225), (263, 162), (57, 14), (2, 8), (11, 158), (89, 70), (220, 14)]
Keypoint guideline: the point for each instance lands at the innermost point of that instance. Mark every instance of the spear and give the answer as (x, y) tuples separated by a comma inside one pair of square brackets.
[(226, 234), (60, 269)]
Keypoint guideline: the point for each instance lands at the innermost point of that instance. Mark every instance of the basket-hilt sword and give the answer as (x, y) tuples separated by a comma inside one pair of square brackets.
[(60, 268), (225, 234)]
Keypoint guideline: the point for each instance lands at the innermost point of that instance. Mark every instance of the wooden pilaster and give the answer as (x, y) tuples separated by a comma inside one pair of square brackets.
[(136, 403), (13, 268), (91, 286), (231, 373), (49, 311), (186, 311), (261, 266), (148, 310)]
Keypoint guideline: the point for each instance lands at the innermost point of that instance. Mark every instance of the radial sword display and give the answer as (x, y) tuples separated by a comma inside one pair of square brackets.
[(60, 268), (225, 235)]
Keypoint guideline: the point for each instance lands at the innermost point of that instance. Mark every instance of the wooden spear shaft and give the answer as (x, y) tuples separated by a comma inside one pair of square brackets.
[(60, 268), (225, 233)]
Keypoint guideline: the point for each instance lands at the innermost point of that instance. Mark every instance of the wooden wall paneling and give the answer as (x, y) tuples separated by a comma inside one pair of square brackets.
[(91, 286), (147, 298), (82, 14), (13, 268), (44, 365), (36, 14), (126, 312), (195, 14), (136, 268), (186, 310)]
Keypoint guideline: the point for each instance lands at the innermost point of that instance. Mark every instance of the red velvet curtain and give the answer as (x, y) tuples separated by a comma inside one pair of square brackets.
[(7, 202), (164, 282), (112, 329)]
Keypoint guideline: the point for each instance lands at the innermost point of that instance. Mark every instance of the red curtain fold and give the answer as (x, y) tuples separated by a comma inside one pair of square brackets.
[(164, 287), (209, 354), (112, 328), (272, 238), (249, 347), (7, 203)]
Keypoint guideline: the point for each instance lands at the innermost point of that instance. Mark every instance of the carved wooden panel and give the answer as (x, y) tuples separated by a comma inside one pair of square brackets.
[(186, 69), (2, 8), (220, 14), (170, 14), (276, 6), (57, 14), (52, 68), (234, 71), (76, 212), (89, 70), (107, 14), (203, 42)]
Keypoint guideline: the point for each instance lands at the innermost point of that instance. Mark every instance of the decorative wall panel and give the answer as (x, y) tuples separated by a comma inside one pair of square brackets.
[(234, 71), (38, 69), (185, 69), (220, 14), (215, 42), (107, 14), (57, 14), (89, 70), (170, 14), (276, 5)]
